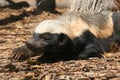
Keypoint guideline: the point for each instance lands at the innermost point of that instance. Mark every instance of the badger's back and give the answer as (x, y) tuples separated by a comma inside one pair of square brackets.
[(99, 25)]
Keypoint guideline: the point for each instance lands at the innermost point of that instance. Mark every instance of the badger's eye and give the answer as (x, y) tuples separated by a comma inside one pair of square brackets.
[(45, 38), (33, 34)]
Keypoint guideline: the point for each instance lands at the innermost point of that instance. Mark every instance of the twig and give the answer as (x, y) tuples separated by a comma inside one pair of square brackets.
[(42, 76)]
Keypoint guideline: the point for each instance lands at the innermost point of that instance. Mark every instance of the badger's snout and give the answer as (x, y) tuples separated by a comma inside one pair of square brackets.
[(30, 44), (36, 45)]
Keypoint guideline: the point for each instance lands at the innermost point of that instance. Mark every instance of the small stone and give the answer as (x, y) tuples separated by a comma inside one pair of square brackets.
[(118, 67), (90, 74), (108, 55), (1, 79), (103, 78), (110, 75), (85, 69), (115, 78), (117, 74), (102, 74), (47, 77), (3, 62), (11, 67), (29, 75)]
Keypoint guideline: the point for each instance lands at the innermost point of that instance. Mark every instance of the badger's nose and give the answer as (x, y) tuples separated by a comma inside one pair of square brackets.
[(28, 44)]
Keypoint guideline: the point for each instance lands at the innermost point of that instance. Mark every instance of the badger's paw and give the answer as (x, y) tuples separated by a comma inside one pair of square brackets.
[(21, 53)]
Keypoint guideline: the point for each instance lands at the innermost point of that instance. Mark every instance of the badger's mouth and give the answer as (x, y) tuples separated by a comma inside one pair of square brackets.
[(37, 50)]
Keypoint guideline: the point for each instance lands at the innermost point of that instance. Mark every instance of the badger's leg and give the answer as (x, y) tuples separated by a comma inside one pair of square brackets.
[(87, 45), (91, 50)]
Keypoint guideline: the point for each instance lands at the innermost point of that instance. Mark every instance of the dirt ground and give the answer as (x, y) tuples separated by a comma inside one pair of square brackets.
[(17, 25)]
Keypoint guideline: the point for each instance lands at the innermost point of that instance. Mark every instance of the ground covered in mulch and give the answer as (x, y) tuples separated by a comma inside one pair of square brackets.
[(17, 25)]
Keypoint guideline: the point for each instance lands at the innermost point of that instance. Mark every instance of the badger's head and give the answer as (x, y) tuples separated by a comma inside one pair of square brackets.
[(50, 36)]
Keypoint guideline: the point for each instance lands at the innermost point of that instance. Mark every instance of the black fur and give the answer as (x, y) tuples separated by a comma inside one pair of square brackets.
[(87, 46), (55, 47), (60, 47)]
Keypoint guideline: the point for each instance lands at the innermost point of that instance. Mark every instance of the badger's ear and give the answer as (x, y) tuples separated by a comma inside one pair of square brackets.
[(63, 39)]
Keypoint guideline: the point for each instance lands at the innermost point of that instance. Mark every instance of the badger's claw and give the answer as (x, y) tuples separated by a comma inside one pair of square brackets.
[(21, 53)]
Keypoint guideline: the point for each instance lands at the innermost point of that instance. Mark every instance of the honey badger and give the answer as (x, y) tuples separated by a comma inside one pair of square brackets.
[(73, 36)]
